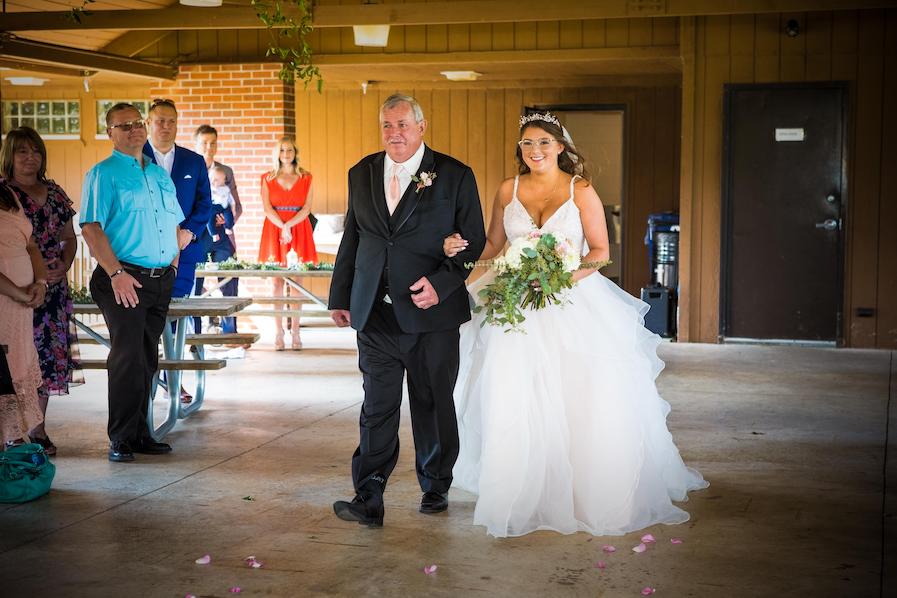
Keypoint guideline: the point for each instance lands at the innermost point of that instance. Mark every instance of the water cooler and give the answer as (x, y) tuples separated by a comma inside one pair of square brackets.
[(662, 239)]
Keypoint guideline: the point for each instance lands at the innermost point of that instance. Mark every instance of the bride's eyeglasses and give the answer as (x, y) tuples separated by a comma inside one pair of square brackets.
[(529, 145), (129, 125)]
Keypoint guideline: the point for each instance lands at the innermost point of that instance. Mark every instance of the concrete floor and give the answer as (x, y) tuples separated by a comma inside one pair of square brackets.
[(792, 440)]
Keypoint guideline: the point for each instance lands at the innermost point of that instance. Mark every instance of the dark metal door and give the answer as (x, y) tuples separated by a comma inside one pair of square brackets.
[(783, 200)]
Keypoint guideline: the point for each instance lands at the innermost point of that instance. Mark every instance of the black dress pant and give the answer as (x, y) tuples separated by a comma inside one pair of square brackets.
[(430, 359), (134, 355)]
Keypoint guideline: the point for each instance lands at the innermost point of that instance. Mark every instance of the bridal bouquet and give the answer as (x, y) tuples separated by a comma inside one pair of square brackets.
[(532, 274)]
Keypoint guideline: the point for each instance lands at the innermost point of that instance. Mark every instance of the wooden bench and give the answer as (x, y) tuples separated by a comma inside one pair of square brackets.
[(294, 299), (238, 338), (166, 364)]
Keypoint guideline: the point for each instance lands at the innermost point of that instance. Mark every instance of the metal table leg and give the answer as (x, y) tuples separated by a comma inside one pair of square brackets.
[(306, 292), (172, 348)]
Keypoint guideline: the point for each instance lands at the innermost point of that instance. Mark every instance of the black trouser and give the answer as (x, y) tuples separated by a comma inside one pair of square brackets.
[(430, 359), (134, 354)]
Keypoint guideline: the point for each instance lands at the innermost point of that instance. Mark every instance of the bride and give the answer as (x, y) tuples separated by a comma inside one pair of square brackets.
[(561, 426)]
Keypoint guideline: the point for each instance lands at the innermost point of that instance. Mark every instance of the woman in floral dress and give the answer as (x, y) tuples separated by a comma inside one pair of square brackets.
[(23, 160)]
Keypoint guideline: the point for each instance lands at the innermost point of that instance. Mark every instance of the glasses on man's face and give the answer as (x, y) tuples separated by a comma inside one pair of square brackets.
[(129, 125), (529, 145)]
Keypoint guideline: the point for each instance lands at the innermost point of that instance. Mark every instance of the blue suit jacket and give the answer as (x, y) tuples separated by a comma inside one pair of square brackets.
[(191, 180)]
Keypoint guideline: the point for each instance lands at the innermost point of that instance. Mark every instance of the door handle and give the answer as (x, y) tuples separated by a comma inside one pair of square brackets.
[(830, 224)]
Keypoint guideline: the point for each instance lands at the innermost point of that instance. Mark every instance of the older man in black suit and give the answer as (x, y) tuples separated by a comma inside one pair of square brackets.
[(394, 285)]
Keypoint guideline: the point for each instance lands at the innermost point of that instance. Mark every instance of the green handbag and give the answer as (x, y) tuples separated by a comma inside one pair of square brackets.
[(25, 473)]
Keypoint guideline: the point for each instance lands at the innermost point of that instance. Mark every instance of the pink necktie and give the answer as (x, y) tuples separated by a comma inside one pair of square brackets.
[(394, 195)]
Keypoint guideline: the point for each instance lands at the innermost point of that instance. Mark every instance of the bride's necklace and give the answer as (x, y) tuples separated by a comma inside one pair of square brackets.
[(551, 193)]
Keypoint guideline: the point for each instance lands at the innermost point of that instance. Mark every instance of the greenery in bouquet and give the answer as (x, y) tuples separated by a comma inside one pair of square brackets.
[(532, 274)]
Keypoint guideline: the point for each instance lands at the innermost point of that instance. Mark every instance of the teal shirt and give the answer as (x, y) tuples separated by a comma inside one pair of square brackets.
[(136, 207)]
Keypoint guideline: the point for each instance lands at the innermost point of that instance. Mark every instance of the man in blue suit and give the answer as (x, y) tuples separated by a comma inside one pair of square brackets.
[(191, 180)]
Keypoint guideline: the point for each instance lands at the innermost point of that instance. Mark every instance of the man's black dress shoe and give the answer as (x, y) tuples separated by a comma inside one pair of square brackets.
[(433, 502), (365, 510), (121, 452), (151, 447)]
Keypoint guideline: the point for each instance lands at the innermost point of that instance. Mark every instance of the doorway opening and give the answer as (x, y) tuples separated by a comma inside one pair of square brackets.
[(597, 131)]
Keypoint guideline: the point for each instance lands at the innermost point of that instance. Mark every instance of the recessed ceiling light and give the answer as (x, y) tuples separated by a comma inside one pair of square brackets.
[(202, 3), (374, 36), (461, 75), (33, 81)]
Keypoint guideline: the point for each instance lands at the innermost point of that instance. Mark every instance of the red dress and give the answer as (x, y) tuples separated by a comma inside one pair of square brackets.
[(287, 202)]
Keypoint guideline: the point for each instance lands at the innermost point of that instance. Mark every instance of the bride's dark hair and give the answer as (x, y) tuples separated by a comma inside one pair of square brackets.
[(569, 160)]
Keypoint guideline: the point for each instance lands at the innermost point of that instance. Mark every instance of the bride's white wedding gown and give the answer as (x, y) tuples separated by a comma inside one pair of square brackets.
[(562, 427)]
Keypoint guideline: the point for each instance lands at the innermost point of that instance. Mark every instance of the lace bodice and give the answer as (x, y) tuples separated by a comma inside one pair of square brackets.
[(565, 220)]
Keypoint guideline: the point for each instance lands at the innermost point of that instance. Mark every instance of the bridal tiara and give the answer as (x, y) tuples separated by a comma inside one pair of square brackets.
[(543, 116)]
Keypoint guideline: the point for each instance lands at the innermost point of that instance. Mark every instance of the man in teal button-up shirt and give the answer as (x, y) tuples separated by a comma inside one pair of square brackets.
[(129, 219)]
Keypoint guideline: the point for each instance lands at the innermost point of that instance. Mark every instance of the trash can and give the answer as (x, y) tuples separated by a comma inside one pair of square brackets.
[(662, 239)]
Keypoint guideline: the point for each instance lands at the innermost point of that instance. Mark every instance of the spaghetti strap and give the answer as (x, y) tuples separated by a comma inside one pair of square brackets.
[(514, 194), (573, 180)]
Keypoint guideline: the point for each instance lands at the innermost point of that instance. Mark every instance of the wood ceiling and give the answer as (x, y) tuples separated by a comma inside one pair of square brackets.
[(38, 36)]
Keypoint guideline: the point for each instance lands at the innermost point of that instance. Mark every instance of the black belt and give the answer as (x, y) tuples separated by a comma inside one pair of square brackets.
[(151, 272)]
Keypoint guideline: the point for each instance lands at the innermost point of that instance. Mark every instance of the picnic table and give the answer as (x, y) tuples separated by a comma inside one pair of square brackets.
[(289, 276), (173, 349)]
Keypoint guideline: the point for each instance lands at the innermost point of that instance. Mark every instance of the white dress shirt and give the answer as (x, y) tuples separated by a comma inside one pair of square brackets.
[(166, 160), (407, 169)]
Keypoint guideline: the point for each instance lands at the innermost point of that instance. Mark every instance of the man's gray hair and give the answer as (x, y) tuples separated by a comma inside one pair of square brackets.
[(398, 98)]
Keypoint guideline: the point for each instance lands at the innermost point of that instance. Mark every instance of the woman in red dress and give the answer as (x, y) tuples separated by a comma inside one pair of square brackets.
[(286, 197)]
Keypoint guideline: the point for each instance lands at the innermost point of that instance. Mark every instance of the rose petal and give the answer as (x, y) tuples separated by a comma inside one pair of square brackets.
[(640, 548), (648, 590), (235, 590), (430, 569), (203, 560), (648, 538), (600, 565), (189, 596), (675, 541), (608, 549)]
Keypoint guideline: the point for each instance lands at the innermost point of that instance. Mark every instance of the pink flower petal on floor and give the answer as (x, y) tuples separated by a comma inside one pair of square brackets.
[(601, 565), (203, 560), (189, 596), (430, 569), (251, 561), (640, 548), (235, 590), (648, 538), (609, 549), (675, 541), (648, 590)]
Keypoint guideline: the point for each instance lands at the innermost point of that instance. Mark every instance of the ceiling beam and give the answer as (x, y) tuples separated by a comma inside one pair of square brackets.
[(661, 54), (53, 55), (23, 65), (179, 17)]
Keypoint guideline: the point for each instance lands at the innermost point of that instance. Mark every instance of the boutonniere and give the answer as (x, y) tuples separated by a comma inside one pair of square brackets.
[(424, 180)]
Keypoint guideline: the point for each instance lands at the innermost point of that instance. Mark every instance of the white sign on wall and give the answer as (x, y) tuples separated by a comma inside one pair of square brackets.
[(790, 135)]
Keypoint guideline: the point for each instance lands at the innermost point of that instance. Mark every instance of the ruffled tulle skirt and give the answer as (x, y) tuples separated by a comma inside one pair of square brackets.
[(562, 427)]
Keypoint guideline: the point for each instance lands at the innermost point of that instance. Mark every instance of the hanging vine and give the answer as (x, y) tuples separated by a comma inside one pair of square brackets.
[(288, 39), (77, 12)]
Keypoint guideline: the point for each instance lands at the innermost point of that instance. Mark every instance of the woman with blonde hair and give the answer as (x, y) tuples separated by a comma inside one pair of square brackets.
[(286, 197)]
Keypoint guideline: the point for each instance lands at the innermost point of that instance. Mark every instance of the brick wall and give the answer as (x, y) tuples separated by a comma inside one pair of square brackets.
[(251, 108)]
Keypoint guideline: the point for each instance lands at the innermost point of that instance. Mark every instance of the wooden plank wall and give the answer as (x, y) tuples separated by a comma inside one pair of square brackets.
[(479, 127), (853, 46)]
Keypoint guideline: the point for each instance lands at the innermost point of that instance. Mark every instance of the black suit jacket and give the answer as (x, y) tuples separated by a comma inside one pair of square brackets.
[(409, 243)]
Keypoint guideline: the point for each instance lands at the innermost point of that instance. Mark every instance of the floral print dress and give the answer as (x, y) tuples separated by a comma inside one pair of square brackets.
[(55, 335)]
